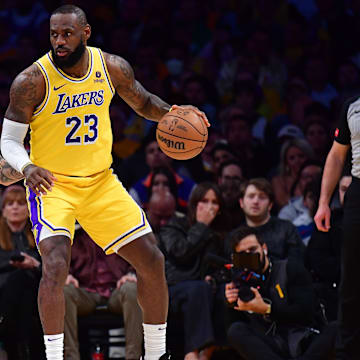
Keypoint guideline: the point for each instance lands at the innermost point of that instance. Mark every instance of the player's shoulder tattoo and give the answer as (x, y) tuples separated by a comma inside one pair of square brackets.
[(119, 68), (27, 91), (8, 175)]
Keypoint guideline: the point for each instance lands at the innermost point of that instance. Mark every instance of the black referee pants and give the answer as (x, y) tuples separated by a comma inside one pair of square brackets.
[(349, 315)]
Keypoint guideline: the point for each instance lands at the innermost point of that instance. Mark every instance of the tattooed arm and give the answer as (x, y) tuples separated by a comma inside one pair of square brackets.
[(132, 92), (26, 93), (8, 175)]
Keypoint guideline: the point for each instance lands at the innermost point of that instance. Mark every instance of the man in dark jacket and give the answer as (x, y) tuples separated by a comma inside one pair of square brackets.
[(97, 279), (280, 236), (278, 321)]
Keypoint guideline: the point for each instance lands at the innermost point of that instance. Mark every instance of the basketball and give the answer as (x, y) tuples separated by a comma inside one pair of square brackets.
[(181, 134)]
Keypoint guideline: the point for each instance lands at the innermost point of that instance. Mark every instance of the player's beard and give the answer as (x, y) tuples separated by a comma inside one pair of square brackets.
[(71, 59)]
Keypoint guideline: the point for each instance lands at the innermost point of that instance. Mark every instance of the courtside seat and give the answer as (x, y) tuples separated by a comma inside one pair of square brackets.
[(94, 329)]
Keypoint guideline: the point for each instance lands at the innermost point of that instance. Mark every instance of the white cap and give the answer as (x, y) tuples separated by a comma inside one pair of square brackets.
[(290, 130)]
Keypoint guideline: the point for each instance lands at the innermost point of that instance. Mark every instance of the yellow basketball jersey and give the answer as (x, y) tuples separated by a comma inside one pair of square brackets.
[(71, 130)]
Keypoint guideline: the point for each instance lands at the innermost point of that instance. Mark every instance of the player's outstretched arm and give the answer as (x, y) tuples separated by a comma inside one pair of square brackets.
[(8, 175), (132, 92)]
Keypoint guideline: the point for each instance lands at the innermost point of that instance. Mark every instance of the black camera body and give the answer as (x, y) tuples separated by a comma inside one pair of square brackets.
[(244, 280), (244, 272)]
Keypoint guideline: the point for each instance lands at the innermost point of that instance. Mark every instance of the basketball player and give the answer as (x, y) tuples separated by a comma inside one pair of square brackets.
[(65, 97)]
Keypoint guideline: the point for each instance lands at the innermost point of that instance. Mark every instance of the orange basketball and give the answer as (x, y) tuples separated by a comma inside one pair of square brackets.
[(181, 134)]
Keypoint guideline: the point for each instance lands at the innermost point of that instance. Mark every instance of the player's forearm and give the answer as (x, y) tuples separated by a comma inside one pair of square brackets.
[(12, 144), (154, 108), (8, 175), (332, 172)]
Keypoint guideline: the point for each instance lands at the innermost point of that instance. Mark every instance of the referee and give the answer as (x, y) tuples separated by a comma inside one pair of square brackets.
[(346, 135)]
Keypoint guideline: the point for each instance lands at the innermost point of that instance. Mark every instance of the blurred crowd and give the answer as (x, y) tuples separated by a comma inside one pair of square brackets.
[(271, 77)]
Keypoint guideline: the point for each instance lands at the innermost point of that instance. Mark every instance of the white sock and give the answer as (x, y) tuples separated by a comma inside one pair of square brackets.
[(154, 341), (54, 346)]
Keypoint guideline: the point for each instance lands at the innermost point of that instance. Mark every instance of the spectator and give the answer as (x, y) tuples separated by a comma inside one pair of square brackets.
[(291, 114), (246, 148), (309, 171), (317, 77), (280, 236), (214, 137), (220, 153), (87, 286), (156, 158), (348, 79), (317, 123), (323, 255), (230, 178), (293, 154), (162, 179), (278, 323), (198, 91), (19, 279), (160, 210), (248, 97), (186, 241), (305, 222)]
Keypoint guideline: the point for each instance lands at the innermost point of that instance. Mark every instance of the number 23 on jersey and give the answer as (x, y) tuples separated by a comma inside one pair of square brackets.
[(75, 124)]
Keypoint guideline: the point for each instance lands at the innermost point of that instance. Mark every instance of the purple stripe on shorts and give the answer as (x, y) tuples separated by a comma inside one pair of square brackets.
[(34, 215)]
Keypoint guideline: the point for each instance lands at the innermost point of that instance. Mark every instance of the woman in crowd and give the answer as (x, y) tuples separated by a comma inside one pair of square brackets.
[(187, 242), (20, 272), (293, 154)]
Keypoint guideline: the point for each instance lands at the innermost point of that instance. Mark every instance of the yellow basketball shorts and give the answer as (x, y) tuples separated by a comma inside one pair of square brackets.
[(99, 203)]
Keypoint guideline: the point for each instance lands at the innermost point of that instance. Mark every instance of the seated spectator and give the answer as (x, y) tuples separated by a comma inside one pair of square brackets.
[(309, 171), (220, 153), (198, 91), (317, 75), (214, 137), (19, 279), (185, 242), (293, 154), (156, 158), (317, 123), (305, 222), (279, 322), (161, 208), (246, 148), (248, 96), (323, 255), (97, 279), (280, 236), (230, 178), (164, 180)]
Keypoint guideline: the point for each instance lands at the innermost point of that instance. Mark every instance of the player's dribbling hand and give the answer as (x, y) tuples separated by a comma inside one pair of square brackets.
[(38, 179), (200, 113), (322, 218)]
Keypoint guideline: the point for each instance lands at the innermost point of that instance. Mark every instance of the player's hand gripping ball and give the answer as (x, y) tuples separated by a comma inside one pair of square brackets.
[(181, 134)]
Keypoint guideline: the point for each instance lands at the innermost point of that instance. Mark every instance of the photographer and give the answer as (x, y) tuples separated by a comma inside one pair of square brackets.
[(273, 312)]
